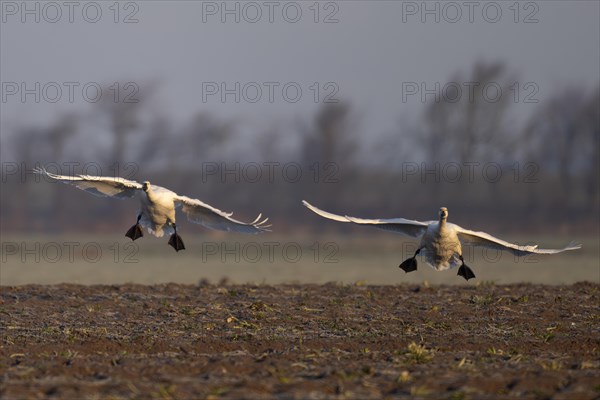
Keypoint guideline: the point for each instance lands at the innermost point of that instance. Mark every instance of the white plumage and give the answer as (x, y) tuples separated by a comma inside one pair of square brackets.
[(158, 206), (441, 241)]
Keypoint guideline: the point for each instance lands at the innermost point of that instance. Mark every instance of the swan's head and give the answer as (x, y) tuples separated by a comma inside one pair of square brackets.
[(146, 186), (443, 213)]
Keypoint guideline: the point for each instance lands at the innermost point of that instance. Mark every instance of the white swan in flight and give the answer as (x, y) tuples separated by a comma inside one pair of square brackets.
[(157, 211), (440, 240)]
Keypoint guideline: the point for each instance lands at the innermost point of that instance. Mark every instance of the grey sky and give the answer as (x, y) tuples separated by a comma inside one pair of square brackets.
[(372, 49)]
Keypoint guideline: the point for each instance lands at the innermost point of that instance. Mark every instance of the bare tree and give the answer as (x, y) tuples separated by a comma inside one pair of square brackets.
[(206, 135), (466, 122), (329, 148), (591, 126), (329, 137), (564, 140)]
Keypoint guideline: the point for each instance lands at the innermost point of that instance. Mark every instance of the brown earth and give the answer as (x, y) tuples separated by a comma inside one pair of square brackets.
[(300, 341)]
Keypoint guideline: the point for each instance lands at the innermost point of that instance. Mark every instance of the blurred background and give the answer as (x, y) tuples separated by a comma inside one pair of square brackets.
[(373, 109)]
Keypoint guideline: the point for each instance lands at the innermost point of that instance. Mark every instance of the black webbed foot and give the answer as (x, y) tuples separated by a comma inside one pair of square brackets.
[(176, 242), (135, 232), (409, 265), (465, 272)]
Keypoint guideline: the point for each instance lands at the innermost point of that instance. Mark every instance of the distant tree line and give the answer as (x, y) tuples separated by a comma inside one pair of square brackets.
[(466, 155)]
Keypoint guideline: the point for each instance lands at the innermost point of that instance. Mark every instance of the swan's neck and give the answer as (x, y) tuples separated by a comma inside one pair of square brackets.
[(149, 194)]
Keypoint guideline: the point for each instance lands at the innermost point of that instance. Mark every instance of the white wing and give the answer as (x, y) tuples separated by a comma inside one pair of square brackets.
[(210, 217), (486, 240), (399, 225), (102, 186)]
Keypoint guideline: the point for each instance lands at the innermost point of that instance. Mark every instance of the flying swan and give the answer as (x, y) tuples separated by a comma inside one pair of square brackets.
[(157, 211), (440, 240)]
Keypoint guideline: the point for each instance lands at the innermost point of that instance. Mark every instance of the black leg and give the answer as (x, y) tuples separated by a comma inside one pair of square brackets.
[(175, 240), (410, 264), (465, 271), (135, 232)]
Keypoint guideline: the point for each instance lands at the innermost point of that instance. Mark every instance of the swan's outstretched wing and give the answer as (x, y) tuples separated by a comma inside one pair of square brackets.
[(486, 240), (210, 217), (102, 186), (399, 225)]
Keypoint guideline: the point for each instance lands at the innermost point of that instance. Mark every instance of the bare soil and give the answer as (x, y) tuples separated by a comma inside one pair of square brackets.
[(300, 341)]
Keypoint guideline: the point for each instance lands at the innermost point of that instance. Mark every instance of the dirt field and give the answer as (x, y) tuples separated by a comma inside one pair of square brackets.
[(300, 341)]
